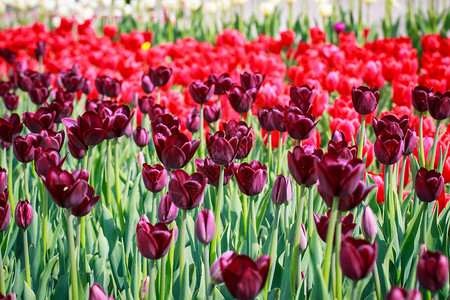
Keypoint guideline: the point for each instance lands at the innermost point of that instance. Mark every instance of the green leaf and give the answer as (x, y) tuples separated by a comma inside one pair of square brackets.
[(45, 278), (434, 234), (28, 293)]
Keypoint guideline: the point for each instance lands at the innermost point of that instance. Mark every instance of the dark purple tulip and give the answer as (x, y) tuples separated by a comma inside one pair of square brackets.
[(187, 191), (243, 277), (145, 104), (201, 92), (166, 125), (5, 210), (398, 293), (120, 119), (4, 145), (439, 106), (281, 190), (432, 270), (97, 106), (40, 50), (38, 93), (245, 135), (108, 86), (23, 214), (3, 180), (24, 147), (420, 97), (428, 184), (87, 130), (298, 125), (176, 150), (216, 272), (141, 137), (72, 80), (74, 151), (339, 27), (391, 124), (167, 211), (8, 55), (251, 177), (51, 140), (42, 119), (211, 170), (342, 150), (365, 99), (302, 97), (11, 296), (11, 101), (147, 85), (66, 189), (205, 226), (46, 159), (5, 87), (96, 293), (265, 119), (410, 141), (211, 113), (301, 164), (153, 241), (222, 83), (251, 81), (278, 116), (388, 148), (323, 222), (87, 87), (155, 177), (222, 148), (357, 258), (160, 76), (193, 120), (87, 205), (24, 82), (241, 100), (155, 111), (339, 177), (10, 128), (62, 105), (350, 202)]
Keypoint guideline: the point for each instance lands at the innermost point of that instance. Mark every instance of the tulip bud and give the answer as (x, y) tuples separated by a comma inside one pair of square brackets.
[(193, 121), (205, 226), (357, 258), (140, 159), (40, 50), (215, 272), (432, 270), (211, 113), (339, 27), (155, 177), (160, 76), (24, 214), (3, 180), (5, 210), (428, 184), (420, 98), (365, 100), (11, 296), (398, 293), (303, 239), (144, 287), (96, 293), (11, 101), (167, 211), (369, 224), (141, 137), (282, 190), (147, 84), (87, 87)]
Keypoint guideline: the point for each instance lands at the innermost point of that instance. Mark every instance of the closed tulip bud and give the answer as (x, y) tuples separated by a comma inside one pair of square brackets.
[(205, 226), (11, 101), (211, 170), (147, 85), (193, 121), (398, 293), (155, 177), (303, 239), (388, 148), (144, 287), (23, 214), (251, 177), (141, 137), (420, 97), (281, 190), (439, 106), (428, 184), (278, 116), (201, 92), (357, 258), (222, 83), (410, 141), (160, 76), (211, 113), (432, 270), (323, 222), (337, 136), (3, 180), (145, 104), (87, 87), (40, 50), (298, 125), (251, 81), (301, 164), (5, 210), (167, 211), (302, 97), (243, 277), (87, 204), (339, 27), (153, 241), (186, 191), (241, 100), (216, 272), (96, 293), (369, 224), (365, 99), (265, 119)]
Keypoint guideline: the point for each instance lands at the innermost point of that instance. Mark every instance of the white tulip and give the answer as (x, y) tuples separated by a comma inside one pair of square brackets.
[(239, 2), (120, 4), (325, 10), (210, 8), (106, 3), (290, 1), (148, 4), (118, 13), (193, 4), (267, 8), (56, 21), (369, 2), (225, 5), (170, 5), (127, 10)]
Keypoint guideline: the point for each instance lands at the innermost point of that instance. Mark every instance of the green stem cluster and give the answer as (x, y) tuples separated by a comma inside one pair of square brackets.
[(72, 255)]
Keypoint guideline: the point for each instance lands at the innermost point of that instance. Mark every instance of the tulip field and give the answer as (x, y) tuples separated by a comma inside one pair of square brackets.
[(182, 158)]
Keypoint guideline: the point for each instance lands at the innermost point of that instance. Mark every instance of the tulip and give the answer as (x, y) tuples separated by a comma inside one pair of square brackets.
[(166, 125), (201, 92), (24, 82), (337, 136), (23, 214), (3, 180), (281, 190), (74, 151), (211, 170), (160, 76), (357, 258), (5, 88), (10, 128), (96, 293), (251, 81), (8, 55), (212, 113), (222, 83), (420, 98), (62, 107), (72, 80), (251, 177), (302, 97), (350, 202), (298, 125), (187, 191), (339, 27), (24, 147), (323, 222), (241, 100), (428, 184), (40, 50), (5, 210), (222, 148), (243, 277), (108, 86), (145, 104), (342, 150), (410, 141), (87, 204), (398, 293), (147, 85), (38, 93), (365, 99), (120, 120), (369, 224), (45, 159), (153, 241), (265, 119), (49, 139), (97, 106), (42, 119), (66, 189), (303, 243), (391, 124), (155, 177), (388, 148), (11, 101), (245, 135), (176, 150), (193, 121), (278, 116), (141, 137), (11, 296), (432, 270), (216, 272), (439, 106), (205, 226), (167, 211), (87, 87)]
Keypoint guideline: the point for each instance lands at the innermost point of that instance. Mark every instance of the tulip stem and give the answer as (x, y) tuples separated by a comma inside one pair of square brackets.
[(25, 180), (402, 179), (73, 267), (10, 184), (2, 276), (202, 132), (151, 284), (337, 257), (26, 257), (422, 152), (273, 251), (158, 99), (361, 137), (310, 214), (425, 222), (280, 151), (245, 211), (206, 264), (376, 279), (108, 174), (44, 202), (355, 283), (162, 289), (433, 148), (298, 228), (217, 211), (269, 146), (118, 196), (330, 237), (181, 238)]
